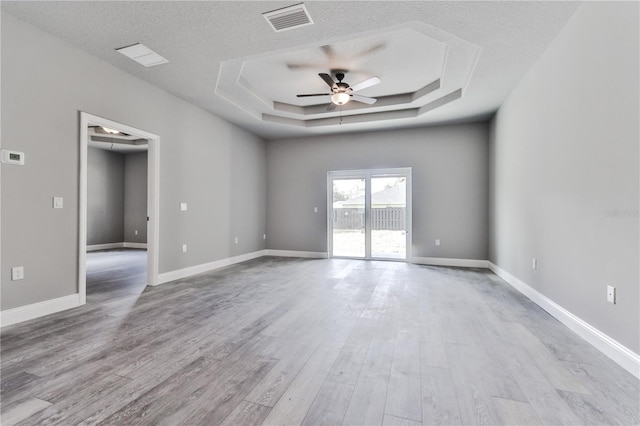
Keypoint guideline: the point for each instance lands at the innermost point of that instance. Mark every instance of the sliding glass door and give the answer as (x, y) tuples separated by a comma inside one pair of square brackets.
[(370, 214)]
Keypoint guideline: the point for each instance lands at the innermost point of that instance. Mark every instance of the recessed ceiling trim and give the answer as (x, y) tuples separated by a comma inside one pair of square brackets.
[(456, 94), (288, 18)]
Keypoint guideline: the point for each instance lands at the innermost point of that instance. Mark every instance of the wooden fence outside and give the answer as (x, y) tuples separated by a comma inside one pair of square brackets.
[(388, 219)]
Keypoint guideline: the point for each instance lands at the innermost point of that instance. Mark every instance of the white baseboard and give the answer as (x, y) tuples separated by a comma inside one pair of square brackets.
[(109, 246), (295, 253), (206, 267), (619, 353), (40, 309), (134, 245), (443, 261)]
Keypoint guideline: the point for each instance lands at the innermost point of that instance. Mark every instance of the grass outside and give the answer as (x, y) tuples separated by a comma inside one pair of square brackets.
[(384, 244)]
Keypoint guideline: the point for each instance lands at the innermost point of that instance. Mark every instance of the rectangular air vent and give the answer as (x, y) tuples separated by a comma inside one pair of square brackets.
[(289, 17), (142, 55)]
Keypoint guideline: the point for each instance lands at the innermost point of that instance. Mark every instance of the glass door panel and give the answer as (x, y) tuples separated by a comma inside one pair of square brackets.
[(348, 218), (388, 217)]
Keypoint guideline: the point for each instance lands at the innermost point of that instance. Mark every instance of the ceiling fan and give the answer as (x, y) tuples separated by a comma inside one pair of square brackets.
[(341, 93)]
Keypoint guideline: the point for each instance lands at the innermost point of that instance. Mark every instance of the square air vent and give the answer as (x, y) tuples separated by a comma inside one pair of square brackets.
[(287, 18), (142, 55)]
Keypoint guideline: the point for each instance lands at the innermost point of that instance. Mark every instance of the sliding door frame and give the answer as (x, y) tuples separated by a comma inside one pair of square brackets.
[(367, 174)]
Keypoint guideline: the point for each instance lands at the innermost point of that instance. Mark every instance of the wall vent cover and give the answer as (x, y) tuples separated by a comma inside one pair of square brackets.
[(288, 18)]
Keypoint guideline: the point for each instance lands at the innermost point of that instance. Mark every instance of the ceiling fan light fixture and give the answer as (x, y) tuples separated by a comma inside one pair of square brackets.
[(340, 98), (110, 131)]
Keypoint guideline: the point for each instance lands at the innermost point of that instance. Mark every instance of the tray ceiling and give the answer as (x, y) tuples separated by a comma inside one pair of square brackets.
[(439, 62)]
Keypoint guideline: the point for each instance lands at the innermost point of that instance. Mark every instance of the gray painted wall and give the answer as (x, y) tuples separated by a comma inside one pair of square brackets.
[(566, 171), (45, 80), (135, 197), (450, 186), (105, 196)]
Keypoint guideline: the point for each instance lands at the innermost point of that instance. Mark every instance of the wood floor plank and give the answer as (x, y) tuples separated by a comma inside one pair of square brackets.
[(475, 398), (292, 407), (269, 390), (613, 390), (397, 421), (516, 412), (556, 373), (545, 400), (404, 392), (594, 411), (370, 393), (439, 401), (59, 413), (21, 410), (347, 367), (330, 404), (247, 414)]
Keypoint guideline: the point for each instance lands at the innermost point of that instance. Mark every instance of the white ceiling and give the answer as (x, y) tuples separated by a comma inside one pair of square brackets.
[(225, 58)]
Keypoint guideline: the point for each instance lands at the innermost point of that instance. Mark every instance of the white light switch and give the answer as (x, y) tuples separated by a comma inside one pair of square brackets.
[(437, 242), (183, 207), (315, 210), (184, 248), (58, 202)]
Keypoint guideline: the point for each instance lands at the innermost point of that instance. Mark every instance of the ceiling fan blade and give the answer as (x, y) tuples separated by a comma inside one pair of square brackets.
[(364, 99), (313, 94), (370, 50), (327, 79), (328, 50), (293, 66), (331, 107), (366, 83)]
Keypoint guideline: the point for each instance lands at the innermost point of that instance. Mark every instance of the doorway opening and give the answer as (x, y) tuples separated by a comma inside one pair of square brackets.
[(106, 141), (369, 214)]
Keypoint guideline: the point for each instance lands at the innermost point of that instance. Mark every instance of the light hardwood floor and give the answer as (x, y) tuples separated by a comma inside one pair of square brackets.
[(292, 341)]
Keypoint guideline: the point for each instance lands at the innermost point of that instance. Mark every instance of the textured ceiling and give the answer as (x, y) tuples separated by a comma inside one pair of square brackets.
[(225, 58)]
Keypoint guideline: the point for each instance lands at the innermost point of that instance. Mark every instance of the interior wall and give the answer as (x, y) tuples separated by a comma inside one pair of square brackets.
[(105, 196), (450, 185), (565, 171), (135, 197), (45, 79)]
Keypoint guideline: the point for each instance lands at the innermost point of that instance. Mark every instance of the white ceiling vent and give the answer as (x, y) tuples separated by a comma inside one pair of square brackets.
[(287, 18), (142, 55)]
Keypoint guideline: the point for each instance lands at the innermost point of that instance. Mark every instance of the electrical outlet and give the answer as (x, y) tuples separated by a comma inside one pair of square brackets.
[(135, 232), (235, 240), (264, 236), (184, 248), (315, 210), (437, 242), (534, 263), (611, 294), (17, 273), (183, 207)]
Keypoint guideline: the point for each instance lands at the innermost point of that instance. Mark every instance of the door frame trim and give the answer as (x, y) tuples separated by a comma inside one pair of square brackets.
[(367, 174), (153, 197)]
